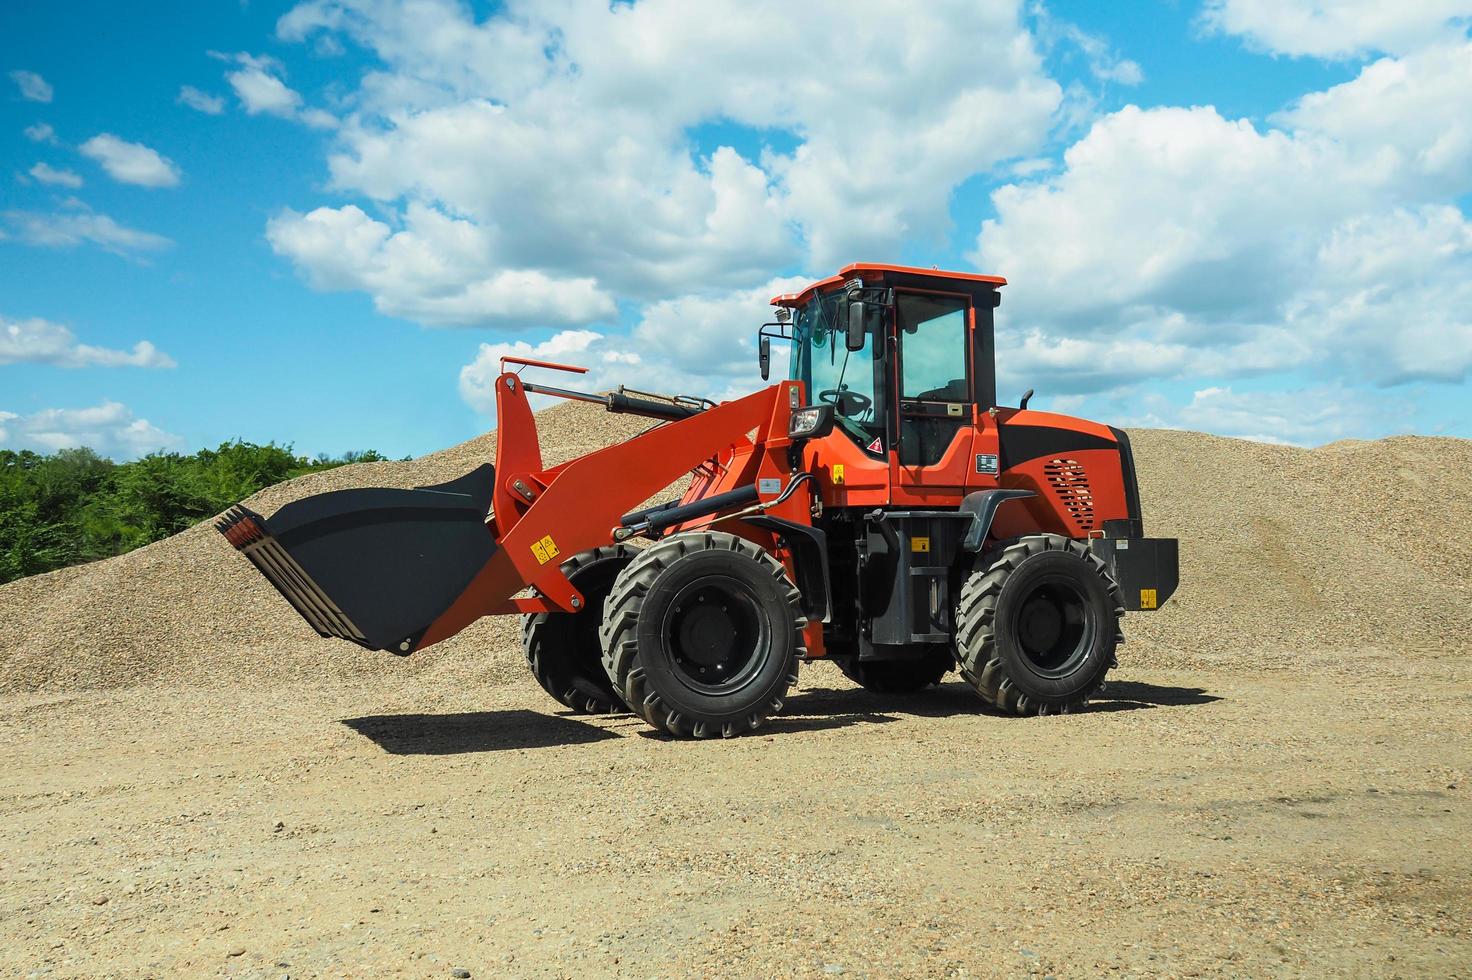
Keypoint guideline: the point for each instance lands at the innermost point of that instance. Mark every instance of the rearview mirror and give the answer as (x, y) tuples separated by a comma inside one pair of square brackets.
[(764, 356), (855, 338)]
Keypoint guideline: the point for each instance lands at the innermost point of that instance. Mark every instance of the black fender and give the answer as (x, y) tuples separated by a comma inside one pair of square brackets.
[(810, 557), (982, 506)]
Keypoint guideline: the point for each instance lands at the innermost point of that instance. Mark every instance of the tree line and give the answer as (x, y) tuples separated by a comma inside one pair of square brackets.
[(74, 506)]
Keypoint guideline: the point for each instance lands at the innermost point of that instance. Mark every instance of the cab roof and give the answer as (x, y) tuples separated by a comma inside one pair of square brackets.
[(877, 270)]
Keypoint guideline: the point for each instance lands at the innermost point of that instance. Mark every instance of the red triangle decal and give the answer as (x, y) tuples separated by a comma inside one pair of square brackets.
[(876, 446)]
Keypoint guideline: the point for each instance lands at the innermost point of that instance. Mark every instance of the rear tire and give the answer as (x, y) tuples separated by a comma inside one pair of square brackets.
[(563, 649), (898, 676), (1036, 629), (702, 635)]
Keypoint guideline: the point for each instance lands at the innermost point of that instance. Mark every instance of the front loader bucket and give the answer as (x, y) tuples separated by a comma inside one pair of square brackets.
[(374, 566)]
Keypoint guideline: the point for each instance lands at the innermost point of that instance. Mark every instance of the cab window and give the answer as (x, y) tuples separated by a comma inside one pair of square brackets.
[(932, 347), (835, 375), (933, 338)]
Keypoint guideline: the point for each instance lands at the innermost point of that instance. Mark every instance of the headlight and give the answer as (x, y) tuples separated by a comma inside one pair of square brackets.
[(807, 423)]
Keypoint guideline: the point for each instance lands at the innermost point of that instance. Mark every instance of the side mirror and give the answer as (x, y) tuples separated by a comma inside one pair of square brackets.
[(764, 356), (855, 338), (1026, 397)]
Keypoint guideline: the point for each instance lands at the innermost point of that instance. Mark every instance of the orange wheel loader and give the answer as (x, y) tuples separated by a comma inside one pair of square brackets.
[(878, 509)]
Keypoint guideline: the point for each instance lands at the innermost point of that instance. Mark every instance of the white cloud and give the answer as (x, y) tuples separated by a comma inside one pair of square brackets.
[(131, 163), (1303, 417), (318, 118), (37, 341), (47, 174), (436, 270), (1177, 243), (211, 105), (260, 91), (110, 428), (1336, 28), (609, 365), (564, 130), (66, 229), (709, 340), (41, 133), (258, 84), (1402, 116), (33, 88), (1103, 63), (702, 345)]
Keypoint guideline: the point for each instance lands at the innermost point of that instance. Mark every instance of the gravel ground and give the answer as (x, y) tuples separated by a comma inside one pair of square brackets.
[(1275, 783), (1306, 822)]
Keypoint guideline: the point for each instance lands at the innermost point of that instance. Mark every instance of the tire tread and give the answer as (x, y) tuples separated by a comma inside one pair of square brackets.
[(620, 622), (977, 658)]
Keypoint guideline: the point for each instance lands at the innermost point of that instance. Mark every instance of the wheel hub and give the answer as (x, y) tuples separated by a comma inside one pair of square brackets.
[(1053, 626), (707, 635), (713, 631)]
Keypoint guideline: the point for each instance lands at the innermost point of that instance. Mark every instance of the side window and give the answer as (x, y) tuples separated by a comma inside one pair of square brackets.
[(932, 348), (837, 376)]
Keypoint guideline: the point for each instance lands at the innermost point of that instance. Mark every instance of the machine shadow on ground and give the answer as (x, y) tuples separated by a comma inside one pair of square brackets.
[(473, 731), (1131, 695), (809, 708), (816, 709)]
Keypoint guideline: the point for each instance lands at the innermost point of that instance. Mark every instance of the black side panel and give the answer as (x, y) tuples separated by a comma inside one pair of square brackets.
[(1020, 443), (906, 594), (1147, 569), (983, 349), (1131, 484)]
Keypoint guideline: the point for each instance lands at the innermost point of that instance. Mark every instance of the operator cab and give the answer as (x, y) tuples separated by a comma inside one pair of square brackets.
[(903, 356)]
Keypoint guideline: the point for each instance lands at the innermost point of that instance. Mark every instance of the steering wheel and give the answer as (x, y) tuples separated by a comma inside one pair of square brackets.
[(842, 397)]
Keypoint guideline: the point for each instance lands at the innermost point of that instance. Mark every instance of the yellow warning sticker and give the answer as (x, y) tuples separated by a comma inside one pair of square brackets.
[(1147, 598), (837, 472), (920, 544), (545, 550)]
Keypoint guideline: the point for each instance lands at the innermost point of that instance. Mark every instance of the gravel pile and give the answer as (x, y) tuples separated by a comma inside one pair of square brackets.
[(1286, 553), (1289, 553), (190, 609)]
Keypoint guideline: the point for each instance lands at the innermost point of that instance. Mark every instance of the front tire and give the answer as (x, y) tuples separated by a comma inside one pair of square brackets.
[(1036, 630), (702, 635), (563, 649)]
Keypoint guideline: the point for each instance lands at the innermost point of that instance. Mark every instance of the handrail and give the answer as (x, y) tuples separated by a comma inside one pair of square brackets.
[(528, 362)]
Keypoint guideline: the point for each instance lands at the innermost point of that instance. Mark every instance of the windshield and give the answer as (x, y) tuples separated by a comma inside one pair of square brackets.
[(833, 374)]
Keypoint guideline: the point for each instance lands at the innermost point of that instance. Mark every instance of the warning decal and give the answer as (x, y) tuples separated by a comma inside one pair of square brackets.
[(1147, 599), (545, 550), (877, 446)]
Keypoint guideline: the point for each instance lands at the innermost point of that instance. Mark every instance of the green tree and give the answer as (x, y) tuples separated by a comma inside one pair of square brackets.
[(74, 506)]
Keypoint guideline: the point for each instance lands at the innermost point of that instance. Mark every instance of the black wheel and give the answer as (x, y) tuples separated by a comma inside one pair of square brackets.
[(1036, 629), (563, 650), (702, 634), (898, 676)]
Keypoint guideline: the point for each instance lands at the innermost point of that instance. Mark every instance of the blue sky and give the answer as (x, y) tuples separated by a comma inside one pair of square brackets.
[(325, 221)]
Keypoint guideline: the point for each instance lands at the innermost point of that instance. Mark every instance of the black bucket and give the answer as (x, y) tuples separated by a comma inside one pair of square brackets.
[(374, 566)]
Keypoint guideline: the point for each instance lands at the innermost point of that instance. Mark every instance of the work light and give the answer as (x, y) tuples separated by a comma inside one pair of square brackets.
[(811, 422)]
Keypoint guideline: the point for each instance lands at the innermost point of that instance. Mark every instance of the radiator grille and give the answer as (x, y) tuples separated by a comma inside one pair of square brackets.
[(1068, 478)]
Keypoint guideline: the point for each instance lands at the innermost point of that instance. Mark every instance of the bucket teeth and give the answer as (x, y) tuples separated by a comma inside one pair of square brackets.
[(246, 531)]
